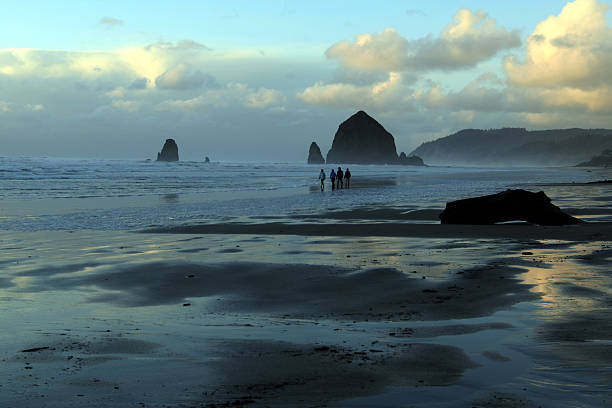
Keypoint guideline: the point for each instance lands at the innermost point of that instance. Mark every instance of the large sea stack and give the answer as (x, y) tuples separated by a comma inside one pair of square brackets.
[(361, 139), (314, 154), (169, 151)]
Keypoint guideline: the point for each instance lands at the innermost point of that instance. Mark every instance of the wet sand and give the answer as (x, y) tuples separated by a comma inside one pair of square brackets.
[(308, 315), (582, 232)]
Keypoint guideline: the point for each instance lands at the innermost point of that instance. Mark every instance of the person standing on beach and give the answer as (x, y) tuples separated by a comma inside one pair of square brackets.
[(339, 176), (347, 177), (322, 178), (332, 177)]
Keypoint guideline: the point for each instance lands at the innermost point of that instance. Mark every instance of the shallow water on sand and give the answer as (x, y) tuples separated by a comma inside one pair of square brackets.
[(72, 194)]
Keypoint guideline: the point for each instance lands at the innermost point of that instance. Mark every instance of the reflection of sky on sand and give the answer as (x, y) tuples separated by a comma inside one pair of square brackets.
[(564, 283), (572, 338)]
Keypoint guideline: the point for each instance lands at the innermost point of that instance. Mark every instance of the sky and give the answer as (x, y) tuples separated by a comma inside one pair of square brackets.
[(259, 81)]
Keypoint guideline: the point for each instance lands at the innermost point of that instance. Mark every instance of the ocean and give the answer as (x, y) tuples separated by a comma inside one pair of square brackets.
[(41, 193)]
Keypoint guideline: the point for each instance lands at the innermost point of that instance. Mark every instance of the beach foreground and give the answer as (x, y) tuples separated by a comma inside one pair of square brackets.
[(308, 315)]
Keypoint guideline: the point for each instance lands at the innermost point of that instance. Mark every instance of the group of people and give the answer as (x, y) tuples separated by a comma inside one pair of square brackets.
[(339, 179)]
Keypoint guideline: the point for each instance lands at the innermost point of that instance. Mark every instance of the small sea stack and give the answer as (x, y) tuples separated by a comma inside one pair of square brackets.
[(169, 152), (314, 154), (410, 161)]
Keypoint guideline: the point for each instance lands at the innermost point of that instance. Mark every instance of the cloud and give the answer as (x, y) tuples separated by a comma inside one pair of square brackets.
[(387, 95), (223, 97), (129, 106), (471, 38), (138, 84), (144, 64), (110, 22), (10, 107), (573, 49), (178, 46), (182, 77), (415, 12), (568, 59)]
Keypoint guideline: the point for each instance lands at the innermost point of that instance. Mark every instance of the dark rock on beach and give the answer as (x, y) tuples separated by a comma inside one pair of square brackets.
[(362, 140), (410, 161), (169, 151), (314, 154), (509, 205)]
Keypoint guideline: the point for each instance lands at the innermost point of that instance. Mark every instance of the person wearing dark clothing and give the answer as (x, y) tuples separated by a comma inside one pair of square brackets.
[(322, 178), (332, 177), (339, 176), (347, 177)]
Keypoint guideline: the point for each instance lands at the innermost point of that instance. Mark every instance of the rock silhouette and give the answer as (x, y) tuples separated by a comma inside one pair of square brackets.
[(410, 161), (169, 151), (509, 205), (314, 154), (361, 139)]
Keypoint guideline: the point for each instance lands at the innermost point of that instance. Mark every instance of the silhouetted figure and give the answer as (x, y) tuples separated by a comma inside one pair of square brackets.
[(332, 177), (339, 177), (347, 178), (206, 160), (322, 178)]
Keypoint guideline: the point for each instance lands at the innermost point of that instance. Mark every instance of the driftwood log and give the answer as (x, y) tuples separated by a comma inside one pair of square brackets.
[(509, 205)]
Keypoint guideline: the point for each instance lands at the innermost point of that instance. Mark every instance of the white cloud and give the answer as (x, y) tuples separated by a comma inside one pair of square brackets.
[(129, 106), (471, 38), (573, 49), (11, 107), (341, 95), (223, 97)]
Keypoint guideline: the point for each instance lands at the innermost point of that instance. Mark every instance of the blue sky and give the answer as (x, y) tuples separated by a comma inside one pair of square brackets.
[(73, 25), (238, 79)]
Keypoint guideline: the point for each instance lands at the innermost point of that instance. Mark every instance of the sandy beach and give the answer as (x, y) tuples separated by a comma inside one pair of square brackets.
[(294, 314)]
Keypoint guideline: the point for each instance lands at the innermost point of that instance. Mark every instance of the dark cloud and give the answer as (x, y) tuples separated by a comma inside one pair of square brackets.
[(140, 83)]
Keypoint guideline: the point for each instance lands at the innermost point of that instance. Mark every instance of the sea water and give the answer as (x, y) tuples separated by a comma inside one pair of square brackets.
[(40, 193)]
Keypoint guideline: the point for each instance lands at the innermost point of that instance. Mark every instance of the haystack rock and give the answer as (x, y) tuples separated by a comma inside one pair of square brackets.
[(509, 205), (169, 151), (314, 154), (410, 161), (361, 139)]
